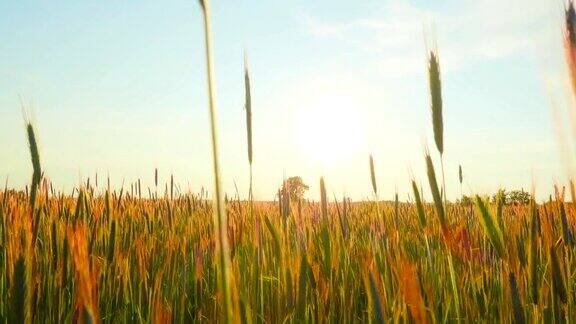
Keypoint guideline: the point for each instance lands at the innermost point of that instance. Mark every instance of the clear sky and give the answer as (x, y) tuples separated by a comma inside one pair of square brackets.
[(118, 87)]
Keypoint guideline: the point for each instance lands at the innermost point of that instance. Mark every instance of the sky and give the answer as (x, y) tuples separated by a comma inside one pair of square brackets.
[(118, 88)]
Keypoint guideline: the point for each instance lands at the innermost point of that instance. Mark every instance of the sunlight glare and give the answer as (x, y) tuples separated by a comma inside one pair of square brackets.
[(330, 129)]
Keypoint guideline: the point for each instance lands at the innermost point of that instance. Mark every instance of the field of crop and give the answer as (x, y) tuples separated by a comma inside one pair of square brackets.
[(100, 254), (121, 258), (139, 256)]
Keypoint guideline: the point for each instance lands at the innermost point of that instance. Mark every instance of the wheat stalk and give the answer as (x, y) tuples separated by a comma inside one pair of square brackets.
[(435, 85), (35, 155), (419, 205), (373, 176), (491, 228), (248, 107), (323, 202), (436, 100), (533, 252), (375, 297), (570, 41), (558, 282), (20, 306), (460, 179), (436, 193), (220, 219)]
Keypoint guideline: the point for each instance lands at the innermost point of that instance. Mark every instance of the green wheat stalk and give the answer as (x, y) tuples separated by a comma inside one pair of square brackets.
[(37, 171), (516, 301), (454, 285), (323, 200), (373, 176), (436, 99), (419, 206), (533, 252), (460, 179), (435, 85), (20, 303), (375, 296), (558, 282), (491, 228), (436, 192), (220, 219), (248, 107)]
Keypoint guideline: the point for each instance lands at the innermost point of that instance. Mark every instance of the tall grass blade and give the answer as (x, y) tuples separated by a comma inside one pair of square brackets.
[(436, 193), (302, 280), (558, 282), (376, 303), (533, 253), (220, 219), (454, 285), (491, 228), (419, 206), (20, 306), (112, 243), (566, 233), (516, 302)]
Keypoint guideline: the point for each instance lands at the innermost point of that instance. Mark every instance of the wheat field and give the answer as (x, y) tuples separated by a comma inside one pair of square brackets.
[(118, 257)]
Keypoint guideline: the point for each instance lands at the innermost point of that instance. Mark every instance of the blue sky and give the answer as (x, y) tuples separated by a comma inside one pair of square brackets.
[(118, 87)]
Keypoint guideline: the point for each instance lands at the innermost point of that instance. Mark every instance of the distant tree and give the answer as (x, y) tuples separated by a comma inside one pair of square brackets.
[(514, 197), (519, 197), (466, 201), (295, 188)]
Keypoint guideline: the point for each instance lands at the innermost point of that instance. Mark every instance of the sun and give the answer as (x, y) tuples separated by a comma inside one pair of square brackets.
[(330, 129)]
